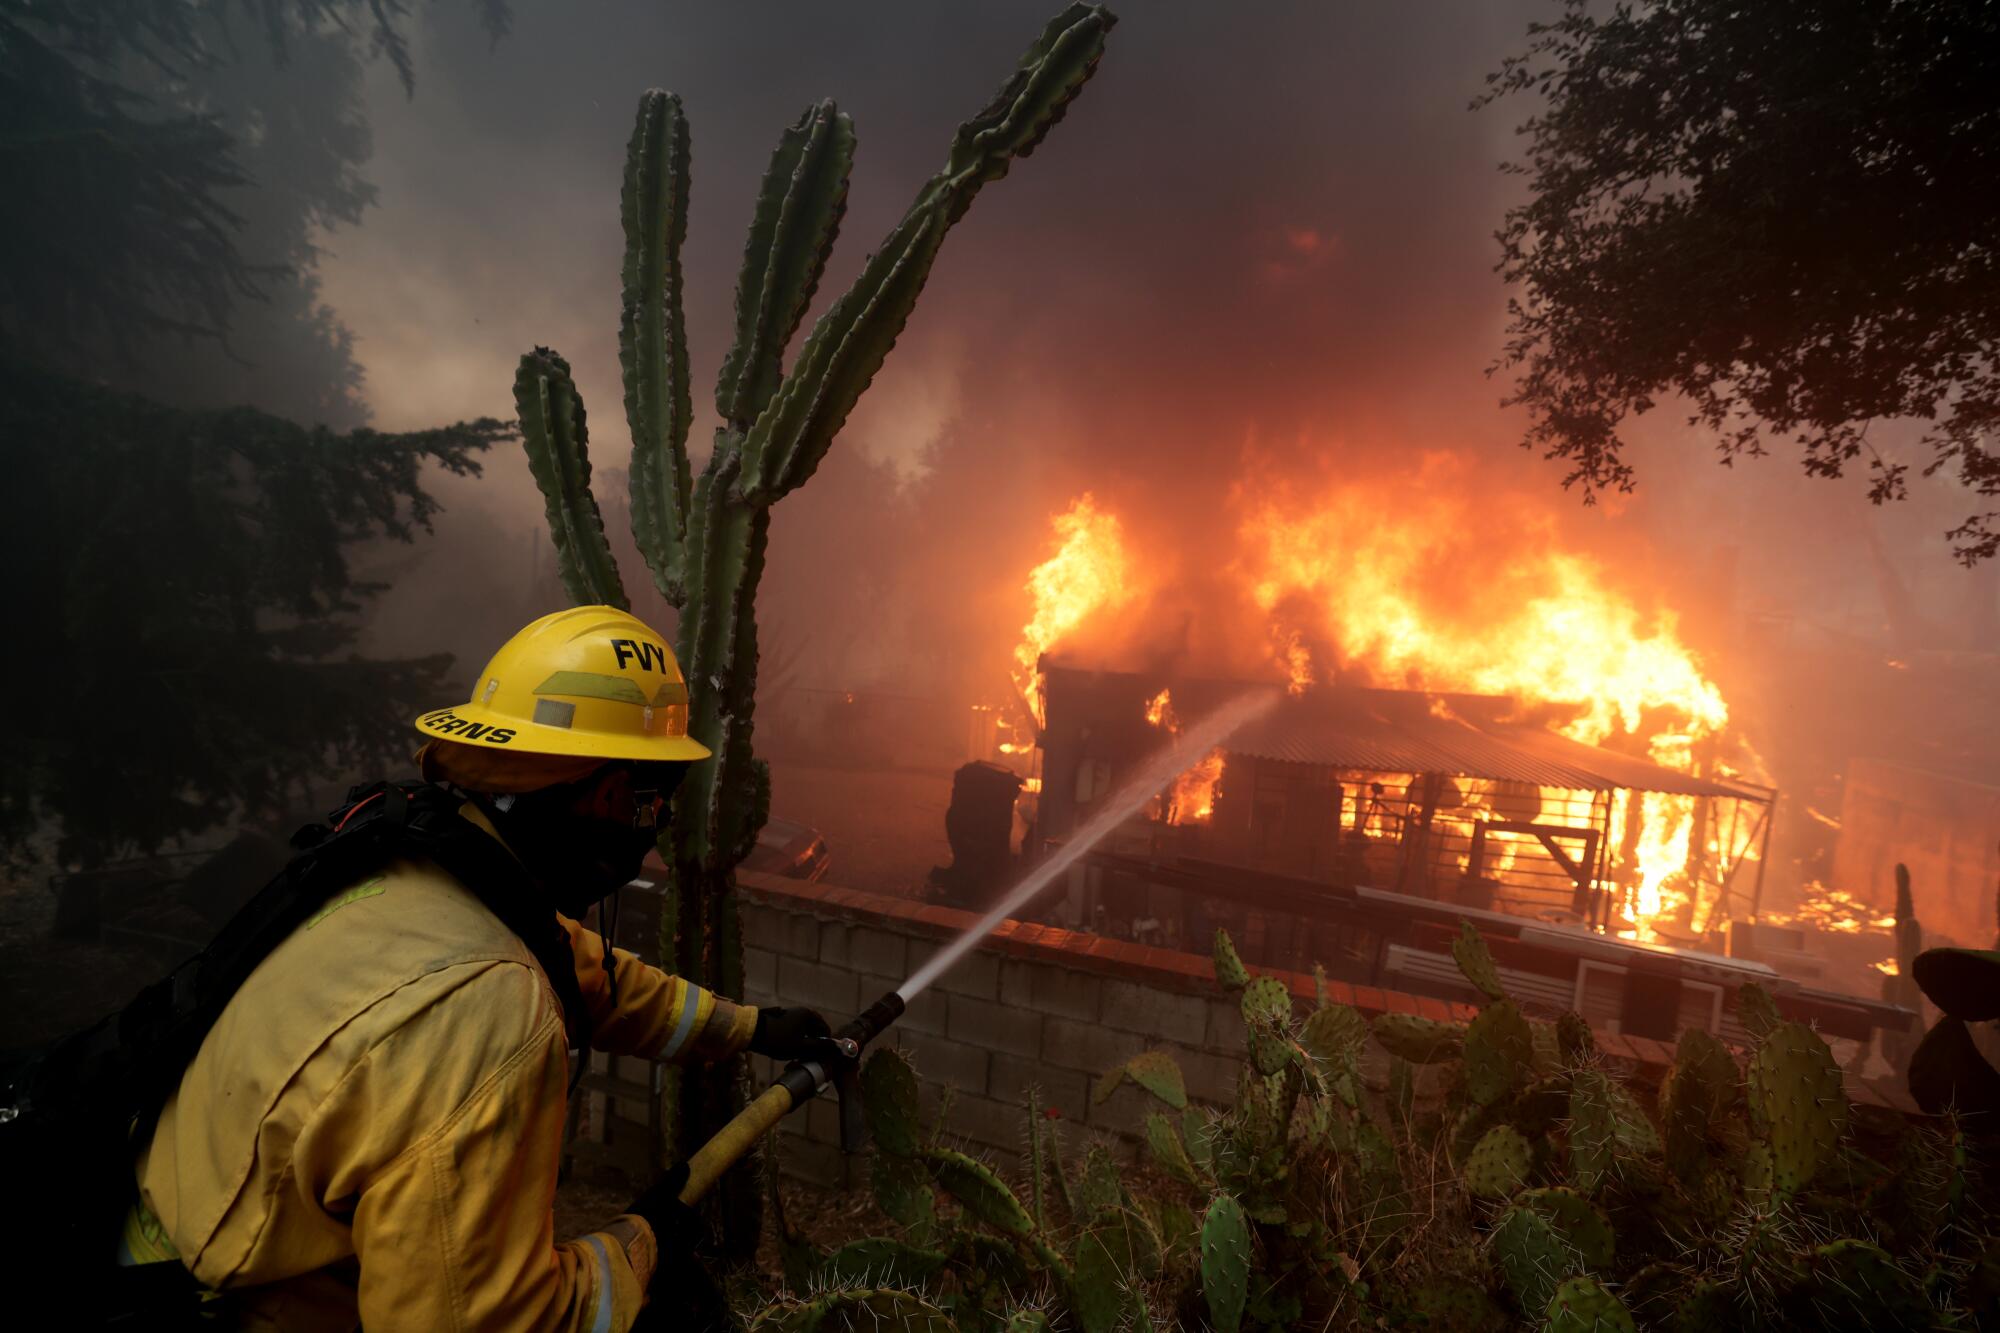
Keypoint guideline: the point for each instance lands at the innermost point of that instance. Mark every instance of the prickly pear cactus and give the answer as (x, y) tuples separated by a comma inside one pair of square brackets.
[(1098, 1295), (1701, 1085), (1334, 1030), (880, 1259), (1531, 1255), (705, 539), (1155, 1071), (982, 1193), (1225, 1262), (1582, 1305), (1593, 1137), (903, 1191), (889, 1099), (1576, 1219), (1475, 960), (1757, 1011), (1796, 1087), (1230, 974), (1574, 1040), (1948, 1072), (1499, 1053), (1857, 1285), (1499, 1164), (874, 1309), (1165, 1144), (1963, 983), (1267, 1016), (1421, 1041)]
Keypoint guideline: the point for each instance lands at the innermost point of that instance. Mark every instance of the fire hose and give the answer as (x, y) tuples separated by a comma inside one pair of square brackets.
[(802, 1080), (839, 1067)]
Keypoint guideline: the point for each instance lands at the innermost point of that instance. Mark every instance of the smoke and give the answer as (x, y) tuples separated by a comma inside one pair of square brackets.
[(1257, 252)]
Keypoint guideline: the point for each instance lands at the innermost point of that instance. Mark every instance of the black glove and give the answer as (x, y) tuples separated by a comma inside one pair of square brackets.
[(789, 1034), (683, 1296), (675, 1225)]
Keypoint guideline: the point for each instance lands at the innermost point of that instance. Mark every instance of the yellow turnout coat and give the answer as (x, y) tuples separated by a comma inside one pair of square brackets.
[(371, 1132)]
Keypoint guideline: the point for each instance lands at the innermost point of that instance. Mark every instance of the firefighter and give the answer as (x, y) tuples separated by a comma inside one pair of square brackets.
[(370, 1133)]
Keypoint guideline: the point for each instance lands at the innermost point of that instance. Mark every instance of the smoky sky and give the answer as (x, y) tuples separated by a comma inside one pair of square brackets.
[(1260, 243)]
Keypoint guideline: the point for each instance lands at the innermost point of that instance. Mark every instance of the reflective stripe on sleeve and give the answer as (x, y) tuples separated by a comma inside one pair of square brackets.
[(691, 999), (601, 1319)]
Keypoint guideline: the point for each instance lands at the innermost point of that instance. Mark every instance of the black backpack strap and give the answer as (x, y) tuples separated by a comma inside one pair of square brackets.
[(473, 857)]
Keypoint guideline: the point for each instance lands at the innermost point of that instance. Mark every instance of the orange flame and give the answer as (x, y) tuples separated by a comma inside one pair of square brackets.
[(1424, 593), (1191, 800), (1089, 571)]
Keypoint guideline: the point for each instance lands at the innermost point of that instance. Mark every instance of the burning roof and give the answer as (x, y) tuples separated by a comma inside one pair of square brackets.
[(1405, 731)]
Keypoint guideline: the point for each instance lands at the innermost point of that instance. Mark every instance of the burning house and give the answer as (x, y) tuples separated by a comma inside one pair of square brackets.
[(1533, 748), (1354, 828)]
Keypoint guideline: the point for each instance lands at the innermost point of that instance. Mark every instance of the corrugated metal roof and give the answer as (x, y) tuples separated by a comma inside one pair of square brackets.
[(1401, 731)]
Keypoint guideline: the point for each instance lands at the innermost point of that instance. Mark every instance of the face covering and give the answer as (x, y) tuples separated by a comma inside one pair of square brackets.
[(581, 859)]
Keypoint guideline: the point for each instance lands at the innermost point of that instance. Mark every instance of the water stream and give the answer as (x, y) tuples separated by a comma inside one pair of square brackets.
[(1187, 749)]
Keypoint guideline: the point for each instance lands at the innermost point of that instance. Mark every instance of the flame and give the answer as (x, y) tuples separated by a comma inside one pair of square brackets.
[(1426, 582), (1089, 571), (1423, 592), (1191, 800), (1835, 910)]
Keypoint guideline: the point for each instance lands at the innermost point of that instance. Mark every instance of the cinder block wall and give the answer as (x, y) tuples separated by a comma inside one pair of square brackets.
[(1033, 1008)]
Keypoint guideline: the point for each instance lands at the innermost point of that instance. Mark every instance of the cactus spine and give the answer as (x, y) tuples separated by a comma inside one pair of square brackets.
[(705, 542)]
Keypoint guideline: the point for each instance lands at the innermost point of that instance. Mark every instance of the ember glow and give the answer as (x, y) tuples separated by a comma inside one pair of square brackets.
[(1088, 573), (1191, 800)]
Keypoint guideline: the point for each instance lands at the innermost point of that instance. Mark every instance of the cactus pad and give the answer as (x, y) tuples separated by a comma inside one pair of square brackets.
[(1948, 1071), (1155, 1071), (1168, 1150), (1709, 1307), (1531, 1255), (1857, 1285), (1574, 1040), (904, 1191), (1499, 1164), (879, 1260), (1230, 974), (1097, 1292), (1099, 1192), (1421, 1041), (1964, 983), (975, 1186), (1757, 1011), (1593, 1130), (889, 1096), (1582, 1305), (1499, 1053), (1576, 1219), (1701, 1085), (1475, 960), (1796, 1088), (1225, 1262), (855, 1309), (1335, 1030)]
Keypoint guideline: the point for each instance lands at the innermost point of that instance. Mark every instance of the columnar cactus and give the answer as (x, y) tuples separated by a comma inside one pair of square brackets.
[(704, 539)]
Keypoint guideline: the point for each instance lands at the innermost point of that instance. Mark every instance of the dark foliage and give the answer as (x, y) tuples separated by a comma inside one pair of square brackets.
[(1782, 212), (182, 603)]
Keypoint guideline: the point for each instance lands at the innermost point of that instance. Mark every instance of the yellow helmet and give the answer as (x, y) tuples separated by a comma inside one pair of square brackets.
[(591, 681)]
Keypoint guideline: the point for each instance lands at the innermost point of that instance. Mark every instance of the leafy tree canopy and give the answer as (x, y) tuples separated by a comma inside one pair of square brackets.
[(1782, 212), (182, 651)]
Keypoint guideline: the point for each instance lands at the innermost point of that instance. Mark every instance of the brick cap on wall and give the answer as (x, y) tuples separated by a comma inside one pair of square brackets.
[(1171, 969)]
